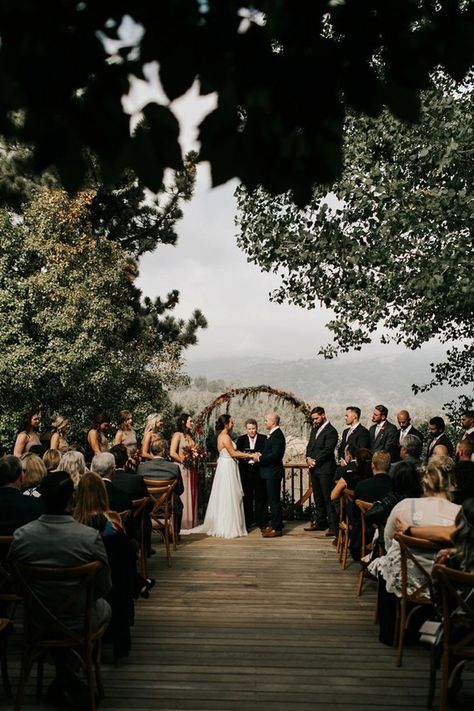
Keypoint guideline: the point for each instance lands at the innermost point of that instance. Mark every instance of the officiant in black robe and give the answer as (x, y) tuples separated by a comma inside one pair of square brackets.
[(255, 496)]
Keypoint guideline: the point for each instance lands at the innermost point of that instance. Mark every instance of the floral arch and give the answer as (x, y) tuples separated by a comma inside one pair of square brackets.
[(202, 420)]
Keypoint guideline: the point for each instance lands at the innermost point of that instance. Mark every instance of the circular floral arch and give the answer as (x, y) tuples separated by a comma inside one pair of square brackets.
[(202, 420)]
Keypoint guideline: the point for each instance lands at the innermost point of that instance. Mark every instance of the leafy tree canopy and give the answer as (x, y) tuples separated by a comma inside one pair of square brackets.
[(390, 244), (75, 337), (284, 83)]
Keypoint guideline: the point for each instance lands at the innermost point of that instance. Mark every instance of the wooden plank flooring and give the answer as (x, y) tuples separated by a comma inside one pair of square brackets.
[(260, 624)]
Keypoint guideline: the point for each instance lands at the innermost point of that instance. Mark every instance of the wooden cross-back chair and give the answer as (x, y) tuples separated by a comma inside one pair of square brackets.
[(365, 544), (456, 590), (139, 513), (420, 595), (8, 603), (44, 629), (344, 534), (162, 514)]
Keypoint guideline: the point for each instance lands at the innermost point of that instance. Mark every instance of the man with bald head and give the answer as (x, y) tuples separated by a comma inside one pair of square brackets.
[(406, 428), (272, 472)]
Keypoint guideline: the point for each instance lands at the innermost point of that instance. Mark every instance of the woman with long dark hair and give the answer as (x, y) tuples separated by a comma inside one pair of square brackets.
[(27, 436), (96, 437), (183, 450), (225, 517)]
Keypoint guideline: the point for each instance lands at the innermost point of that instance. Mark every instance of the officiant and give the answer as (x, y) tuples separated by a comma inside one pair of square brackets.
[(255, 491)]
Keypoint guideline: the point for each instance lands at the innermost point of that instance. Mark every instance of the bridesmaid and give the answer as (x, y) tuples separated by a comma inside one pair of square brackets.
[(60, 427), (126, 434), (152, 427), (27, 436), (96, 436), (180, 442)]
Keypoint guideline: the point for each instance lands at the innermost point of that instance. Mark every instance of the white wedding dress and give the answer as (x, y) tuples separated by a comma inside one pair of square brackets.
[(225, 510)]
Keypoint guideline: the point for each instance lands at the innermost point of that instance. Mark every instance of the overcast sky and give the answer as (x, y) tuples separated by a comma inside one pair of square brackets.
[(212, 274)]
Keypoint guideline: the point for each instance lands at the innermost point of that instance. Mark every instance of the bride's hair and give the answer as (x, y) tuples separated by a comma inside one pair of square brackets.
[(221, 422)]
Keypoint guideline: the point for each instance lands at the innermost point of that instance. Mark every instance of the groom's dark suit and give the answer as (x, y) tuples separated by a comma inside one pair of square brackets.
[(254, 487), (272, 472)]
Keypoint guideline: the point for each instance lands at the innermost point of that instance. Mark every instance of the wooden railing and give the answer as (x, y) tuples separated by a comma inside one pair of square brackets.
[(295, 490)]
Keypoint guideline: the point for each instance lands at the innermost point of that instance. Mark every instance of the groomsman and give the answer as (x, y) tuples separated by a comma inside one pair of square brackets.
[(355, 434), (322, 465), (253, 486), (467, 422), (383, 434), (406, 428), (436, 429)]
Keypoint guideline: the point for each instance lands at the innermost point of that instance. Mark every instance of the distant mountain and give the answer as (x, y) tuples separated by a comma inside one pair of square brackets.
[(349, 380)]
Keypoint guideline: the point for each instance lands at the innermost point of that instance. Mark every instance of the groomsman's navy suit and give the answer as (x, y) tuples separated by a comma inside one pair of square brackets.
[(272, 472), (253, 485)]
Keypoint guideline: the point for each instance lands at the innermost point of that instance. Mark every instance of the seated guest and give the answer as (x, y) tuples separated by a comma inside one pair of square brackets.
[(56, 540), (464, 471), (15, 509), (34, 470), (27, 436), (51, 459), (372, 489), (74, 464), (433, 508), (92, 509), (104, 465), (345, 476), (406, 483), (160, 469), (410, 451), (127, 481), (439, 450)]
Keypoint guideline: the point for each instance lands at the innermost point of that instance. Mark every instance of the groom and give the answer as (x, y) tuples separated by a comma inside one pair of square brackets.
[(272, 472)]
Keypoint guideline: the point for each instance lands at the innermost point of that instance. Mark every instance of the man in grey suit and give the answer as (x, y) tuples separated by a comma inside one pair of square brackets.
[(55, 539), (383, 434), (160, 469)]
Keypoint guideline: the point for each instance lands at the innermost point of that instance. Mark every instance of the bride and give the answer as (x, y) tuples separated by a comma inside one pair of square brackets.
[(225, 510)]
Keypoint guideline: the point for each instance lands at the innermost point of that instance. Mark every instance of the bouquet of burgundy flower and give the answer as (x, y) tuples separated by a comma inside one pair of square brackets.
[(192, 455)]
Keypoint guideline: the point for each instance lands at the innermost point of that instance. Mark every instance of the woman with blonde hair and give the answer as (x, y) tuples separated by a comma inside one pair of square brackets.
[(60, 426), (51, 459), (433, 508), (74, 464), (34, 470), (152, 427), (183, 451), (126, 434)]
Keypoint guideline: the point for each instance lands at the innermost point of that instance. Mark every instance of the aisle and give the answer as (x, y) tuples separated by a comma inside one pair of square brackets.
[(261, 624)]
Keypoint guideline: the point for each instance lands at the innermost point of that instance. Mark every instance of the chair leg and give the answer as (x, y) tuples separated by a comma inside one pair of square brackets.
[(360, 583), (39, 678), (345, 550), (4, 663), (25, 669), (432, 678), (90, 678), (443, 695), (401, 632), (98, 670)]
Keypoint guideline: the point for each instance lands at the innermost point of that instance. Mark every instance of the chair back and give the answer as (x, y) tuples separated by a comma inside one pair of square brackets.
[(457, 599), (409, 547), (44, 620), (364, 544)]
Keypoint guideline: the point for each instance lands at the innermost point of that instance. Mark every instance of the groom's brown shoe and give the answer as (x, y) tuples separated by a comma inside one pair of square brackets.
[(272, 534)]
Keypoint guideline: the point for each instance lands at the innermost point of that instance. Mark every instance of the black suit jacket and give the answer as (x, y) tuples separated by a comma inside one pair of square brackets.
[(373, 489), (321, 448), (444, 439), (360, 439), (130, 484), (16, 509), (242, 445), (386, 441), (271, 461), (118, 499)]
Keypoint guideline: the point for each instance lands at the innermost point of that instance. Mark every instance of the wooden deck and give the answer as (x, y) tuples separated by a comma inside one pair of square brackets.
[(260, 624)]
